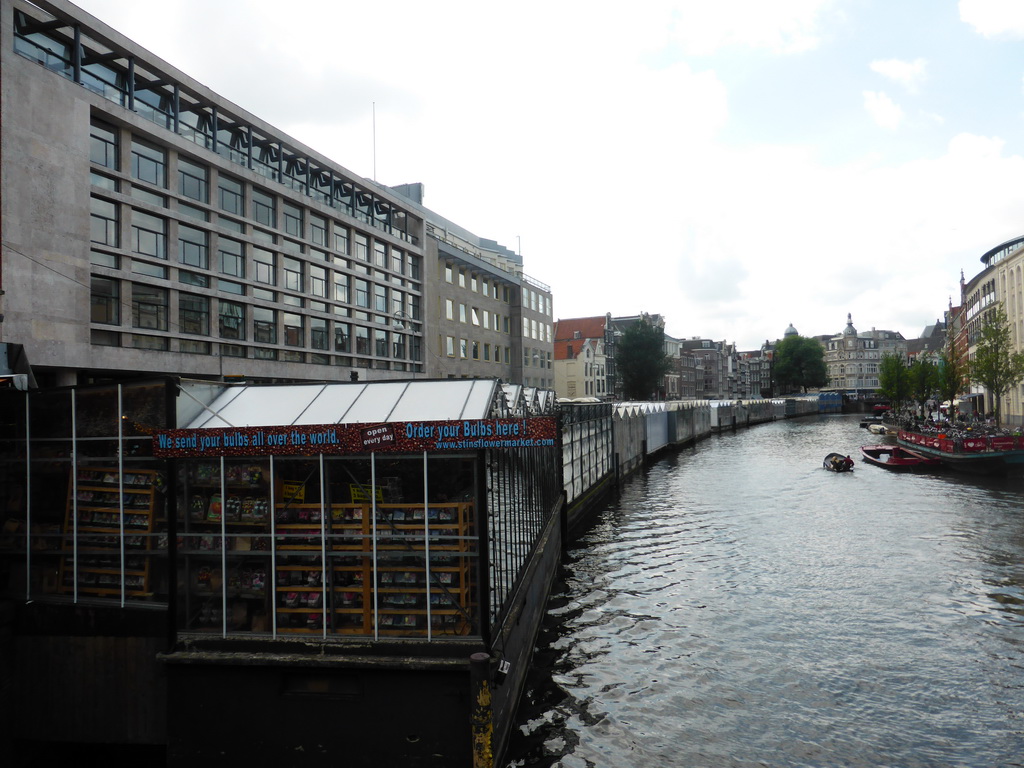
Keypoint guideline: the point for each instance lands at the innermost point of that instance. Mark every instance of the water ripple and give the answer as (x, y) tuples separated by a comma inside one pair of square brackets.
[(738, 606)]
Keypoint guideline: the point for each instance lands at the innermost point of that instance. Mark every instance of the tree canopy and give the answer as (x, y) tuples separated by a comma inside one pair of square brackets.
[(640, 360), (894, 380), (996, 365), (950, 376), (799, 362), (923, 378)]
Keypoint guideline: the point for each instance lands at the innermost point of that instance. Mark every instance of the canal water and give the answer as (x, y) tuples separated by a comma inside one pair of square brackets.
[(740, 606)]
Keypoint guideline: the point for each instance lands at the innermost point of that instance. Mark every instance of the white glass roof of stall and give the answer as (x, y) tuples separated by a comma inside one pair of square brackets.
[(348, 403)]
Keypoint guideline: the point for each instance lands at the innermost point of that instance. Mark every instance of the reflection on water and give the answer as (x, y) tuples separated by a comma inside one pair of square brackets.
[(740, 606)]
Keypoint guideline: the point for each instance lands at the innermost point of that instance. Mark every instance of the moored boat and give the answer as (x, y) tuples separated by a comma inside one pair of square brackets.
[(898, 458), (881, 429), (968, 450)]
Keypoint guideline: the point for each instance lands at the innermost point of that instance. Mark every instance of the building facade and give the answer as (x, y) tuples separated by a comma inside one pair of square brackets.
[(852, 358), (580, 362), (151, 226), (483, 316), (1001, 281)]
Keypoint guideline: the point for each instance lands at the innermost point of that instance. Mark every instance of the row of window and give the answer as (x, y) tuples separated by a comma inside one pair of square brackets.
[(470, 349), (487, 287), (149, 165), (130, 85), (534, 330), (238, 260), (151, 310), (483, 318)]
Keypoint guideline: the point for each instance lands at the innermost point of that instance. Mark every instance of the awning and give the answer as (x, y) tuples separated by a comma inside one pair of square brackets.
[(342, 403)]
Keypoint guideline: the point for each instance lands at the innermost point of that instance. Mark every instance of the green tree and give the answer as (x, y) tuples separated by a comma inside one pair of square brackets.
[(949, 377), (996, 365), (799, 362), (640, 360), (923, 376), (894, 380)]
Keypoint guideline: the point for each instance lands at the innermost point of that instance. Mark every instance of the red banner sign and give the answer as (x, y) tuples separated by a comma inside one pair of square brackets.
[(342, 439)]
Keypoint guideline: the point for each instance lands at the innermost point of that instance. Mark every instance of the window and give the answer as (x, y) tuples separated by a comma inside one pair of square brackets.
[(318, 229), (317, 281), (194, 314), (292, 219), (192, 247), (193, 278), (265, 264), (476, 350), (472, 283), (149, 163), (449, 346), (380, 298), (149, 234), (231, 254), (318, 333), (230, 195), (362, 289), (341, 337), (103, 222), (463, 349), (293, 335), (232, 320), (476, 316), (462, 313), (380, 254), (263, 208), (292, 273), (341, 239), (362, 246), (397, 261), (487, 319), (487, 351), (341, 287), (362, 340), (380, 339), (264, 325), (149, 307), (449, 309), (398, 344), (462, 278), (192, 181), (106, 301), (448, 272), (103, 146)]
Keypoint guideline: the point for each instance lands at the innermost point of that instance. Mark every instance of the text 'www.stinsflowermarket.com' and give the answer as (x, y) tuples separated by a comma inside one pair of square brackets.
[(495, 443)]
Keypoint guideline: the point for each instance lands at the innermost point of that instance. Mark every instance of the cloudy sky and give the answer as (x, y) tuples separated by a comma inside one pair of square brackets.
[(735, 165)]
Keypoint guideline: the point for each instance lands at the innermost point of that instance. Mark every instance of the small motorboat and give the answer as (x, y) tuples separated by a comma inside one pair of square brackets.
[(897, 458), (837, 462), (881, 429)]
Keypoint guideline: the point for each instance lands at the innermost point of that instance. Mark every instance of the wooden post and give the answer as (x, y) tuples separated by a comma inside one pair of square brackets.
[(480, 713)]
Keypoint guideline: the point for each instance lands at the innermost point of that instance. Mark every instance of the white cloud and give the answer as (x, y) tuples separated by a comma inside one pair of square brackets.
[(883, 110), (782, 26), (994, 18), (909, 74)]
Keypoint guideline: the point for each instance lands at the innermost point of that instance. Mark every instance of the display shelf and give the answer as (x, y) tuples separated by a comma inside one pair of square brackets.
[(409, 540), (109, 512), (224, 523)]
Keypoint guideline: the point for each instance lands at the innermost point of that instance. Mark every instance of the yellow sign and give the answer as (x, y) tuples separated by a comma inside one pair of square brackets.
[(359, 492), (294, 492)]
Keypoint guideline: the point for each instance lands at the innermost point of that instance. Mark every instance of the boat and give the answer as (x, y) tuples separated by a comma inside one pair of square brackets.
[(837, 462), (881, 429), (968, 450), (897, 458)]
